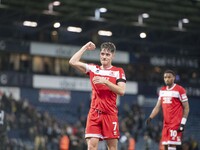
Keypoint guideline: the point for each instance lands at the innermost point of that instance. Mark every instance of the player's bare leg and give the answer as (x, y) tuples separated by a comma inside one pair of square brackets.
[(92, 143), (112, 144)]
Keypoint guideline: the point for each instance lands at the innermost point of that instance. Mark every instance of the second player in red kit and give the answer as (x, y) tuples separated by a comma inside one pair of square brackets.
[(174, 102)]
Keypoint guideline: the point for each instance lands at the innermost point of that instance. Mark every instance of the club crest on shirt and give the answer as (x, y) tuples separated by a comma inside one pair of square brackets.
[(111, 73)]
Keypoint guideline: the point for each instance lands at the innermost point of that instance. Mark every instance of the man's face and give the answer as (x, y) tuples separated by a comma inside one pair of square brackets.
[(169, 79), (106, 57)]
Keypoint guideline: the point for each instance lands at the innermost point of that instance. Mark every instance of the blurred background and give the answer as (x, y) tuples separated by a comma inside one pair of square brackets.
[(43, 101)]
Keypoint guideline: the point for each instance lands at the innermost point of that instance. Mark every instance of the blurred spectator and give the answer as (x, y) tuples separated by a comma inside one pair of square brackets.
[(39, 142), (123, 142), (186, 146), (131, 141), (3, 126), (193, 143), (64, 142), (148, 142)]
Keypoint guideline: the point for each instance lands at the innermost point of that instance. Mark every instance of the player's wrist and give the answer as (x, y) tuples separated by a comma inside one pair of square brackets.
[(182, 124), (183, 121), (106, 82)]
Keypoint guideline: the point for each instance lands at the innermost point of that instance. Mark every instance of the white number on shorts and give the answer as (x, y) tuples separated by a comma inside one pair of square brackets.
[(173, 133), (115, 125)]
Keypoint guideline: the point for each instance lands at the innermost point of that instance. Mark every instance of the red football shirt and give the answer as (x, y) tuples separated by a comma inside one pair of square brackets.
[(103, 98), (172, 104)]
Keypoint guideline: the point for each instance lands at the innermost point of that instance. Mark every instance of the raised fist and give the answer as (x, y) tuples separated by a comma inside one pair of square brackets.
[(90, 46)]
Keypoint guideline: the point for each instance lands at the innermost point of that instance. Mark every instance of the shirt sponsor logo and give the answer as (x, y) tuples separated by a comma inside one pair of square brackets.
[(174, 94), (167, 100)]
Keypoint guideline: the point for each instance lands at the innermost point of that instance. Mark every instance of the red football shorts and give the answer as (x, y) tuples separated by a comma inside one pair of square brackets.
[(102, 125), (170, 136)]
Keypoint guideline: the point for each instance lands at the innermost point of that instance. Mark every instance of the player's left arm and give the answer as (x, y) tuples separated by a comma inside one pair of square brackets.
[(186, 109)]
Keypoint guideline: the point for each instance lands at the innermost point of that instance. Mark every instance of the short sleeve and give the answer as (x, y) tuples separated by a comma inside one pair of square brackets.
[(183, 96), (122, 76)]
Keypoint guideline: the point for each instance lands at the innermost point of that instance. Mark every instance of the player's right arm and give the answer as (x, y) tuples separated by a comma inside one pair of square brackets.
[(156, 109), (75, 59), (154, 112)]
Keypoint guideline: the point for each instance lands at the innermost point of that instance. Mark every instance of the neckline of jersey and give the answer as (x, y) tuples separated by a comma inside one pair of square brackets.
[(106, 68), (171, 87)]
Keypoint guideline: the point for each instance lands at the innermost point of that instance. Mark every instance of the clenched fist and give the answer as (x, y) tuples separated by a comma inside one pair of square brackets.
[(90, 46)]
